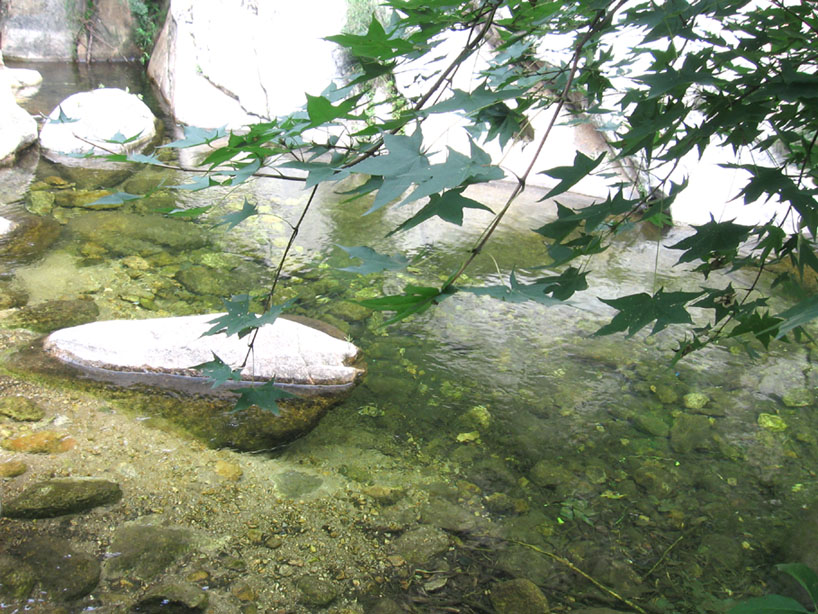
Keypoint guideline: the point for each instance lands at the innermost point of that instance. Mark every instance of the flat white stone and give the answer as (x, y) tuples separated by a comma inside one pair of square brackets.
[(6, 226), (93, 119), (287, 351)]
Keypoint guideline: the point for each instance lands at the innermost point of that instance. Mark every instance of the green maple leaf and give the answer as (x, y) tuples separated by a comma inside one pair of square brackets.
[(400, 168), (265, 397), (571, 175), (197, 136), (719, 238), (62, 118), (479, 98), (447, 206), (118, 198), (373, 262), (638, 310), (231, 220), (516, 292), (239, 320), (321, 110), (414, 300), (218, 371), (376, 44)]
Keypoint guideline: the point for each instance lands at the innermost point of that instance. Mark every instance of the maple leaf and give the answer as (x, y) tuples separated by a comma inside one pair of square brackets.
[(638, 310)]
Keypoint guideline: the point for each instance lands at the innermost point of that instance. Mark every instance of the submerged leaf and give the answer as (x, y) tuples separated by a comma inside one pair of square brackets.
[(373, 262)]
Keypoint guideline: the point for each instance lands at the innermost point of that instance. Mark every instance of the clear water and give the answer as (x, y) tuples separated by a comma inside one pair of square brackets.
[(540, 436)]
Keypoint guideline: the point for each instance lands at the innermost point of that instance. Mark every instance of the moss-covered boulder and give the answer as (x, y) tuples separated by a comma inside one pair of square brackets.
[(64, 572), (143, 552), (518, 596), (21, 409), (60, 496), (55, 314)]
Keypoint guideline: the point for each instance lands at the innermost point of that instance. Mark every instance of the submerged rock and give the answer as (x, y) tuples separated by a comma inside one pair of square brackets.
[(21, 409), (16, 578), (164, 353), (421, 545), (64, 572), (168, 350), (60, 496), (142, 552), (518, 596), (52, 315), (173, 597)]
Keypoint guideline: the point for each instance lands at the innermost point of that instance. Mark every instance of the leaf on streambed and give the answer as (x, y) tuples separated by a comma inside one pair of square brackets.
[(638, 310), (414, 300), (231, 220), (804, 575), (447, 206), (118, 198), (571, 175), (197, 136), (239, 320), (769, 604), (264, 397), (373, 262), (218, 371)]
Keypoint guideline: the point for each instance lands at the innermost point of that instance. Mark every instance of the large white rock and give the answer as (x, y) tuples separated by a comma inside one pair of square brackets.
[(287, 351), (90, 120), (234, 62), (18, 129)]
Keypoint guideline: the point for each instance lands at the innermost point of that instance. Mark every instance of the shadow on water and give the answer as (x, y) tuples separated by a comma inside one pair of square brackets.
[(533, 445)]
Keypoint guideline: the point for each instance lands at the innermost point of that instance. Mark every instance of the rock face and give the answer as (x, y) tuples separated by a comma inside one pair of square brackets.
[(146, 350), (84, 123), (18, 129), (231, 62), (59, 30)]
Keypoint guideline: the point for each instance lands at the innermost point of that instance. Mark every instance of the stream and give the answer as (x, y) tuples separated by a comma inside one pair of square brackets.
[(493, 448)]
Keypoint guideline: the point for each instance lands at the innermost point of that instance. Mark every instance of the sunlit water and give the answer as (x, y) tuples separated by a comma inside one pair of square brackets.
[(514, 413)]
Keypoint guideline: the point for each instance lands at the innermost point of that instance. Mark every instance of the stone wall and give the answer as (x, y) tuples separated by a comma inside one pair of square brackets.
[(61, 30)]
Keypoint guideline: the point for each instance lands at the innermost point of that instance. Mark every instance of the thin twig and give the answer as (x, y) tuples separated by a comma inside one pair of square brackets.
[(268, 299), (663, 557), (588, 577)]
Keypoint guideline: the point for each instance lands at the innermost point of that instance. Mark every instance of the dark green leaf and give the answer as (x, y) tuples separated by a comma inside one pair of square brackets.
[(414, 300), (197, 136), (191, 213), (799, 315), (516, 292), (713, 238), (447, 206), (638, 310), (121, 139), (373, 262), (239, 320), (218, 371), (231, 220), (805, 576), (468, 102), (571, 175), (769, 604), (264, 397), (200, 183), (118, 198)]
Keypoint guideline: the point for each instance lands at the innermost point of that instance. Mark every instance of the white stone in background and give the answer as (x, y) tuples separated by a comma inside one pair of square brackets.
[(18, 129), (289, 352), (6, 226), (100, 115), (24, 82), (235, 62)]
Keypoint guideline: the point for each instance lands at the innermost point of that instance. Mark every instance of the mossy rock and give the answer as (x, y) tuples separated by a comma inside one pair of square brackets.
[(21, 409), (316, 591), (65, 573), (30, 238), (144, 551), (691, 432), (53, 315), (60, 496), (519, 596)]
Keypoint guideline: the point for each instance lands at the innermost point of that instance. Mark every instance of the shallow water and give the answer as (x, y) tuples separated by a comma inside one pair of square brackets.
[(508, 426)]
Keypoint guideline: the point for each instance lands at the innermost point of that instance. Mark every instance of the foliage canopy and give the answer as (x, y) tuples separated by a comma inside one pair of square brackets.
[(740, 74)]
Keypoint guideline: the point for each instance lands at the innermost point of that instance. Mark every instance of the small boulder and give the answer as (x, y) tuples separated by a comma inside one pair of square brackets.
[(60, 496), (63, 571), (317, 591), (518, 596), (41, 442), (421, 545), (691, 432), (143, 552), (16, 578), (18, 129), (86, 122), (21, 409), (173, 597)]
